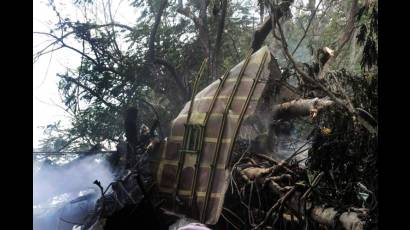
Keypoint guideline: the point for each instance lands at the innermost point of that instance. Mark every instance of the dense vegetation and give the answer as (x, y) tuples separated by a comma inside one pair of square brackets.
[(151, 63), (325, 49)]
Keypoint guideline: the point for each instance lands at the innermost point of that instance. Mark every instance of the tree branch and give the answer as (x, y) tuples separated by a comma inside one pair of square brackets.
[(69, 142), (237, 57), (344, 104), (307, 27), (151, 41), (305, 76), (91, 91), (346, 36), (113, 24), (174, 74), (300, 108), (200, 22), (60, 39), (261, 33), (151, 51), (187, 13)]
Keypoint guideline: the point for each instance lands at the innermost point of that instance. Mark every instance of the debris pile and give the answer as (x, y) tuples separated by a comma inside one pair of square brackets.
[(335, 188), (257, 185)]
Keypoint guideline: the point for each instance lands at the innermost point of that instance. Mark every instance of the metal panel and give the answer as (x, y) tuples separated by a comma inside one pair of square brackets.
[(216, 114)]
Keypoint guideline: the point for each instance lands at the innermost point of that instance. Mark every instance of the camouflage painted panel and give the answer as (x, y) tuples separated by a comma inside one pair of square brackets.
[(169, 161)]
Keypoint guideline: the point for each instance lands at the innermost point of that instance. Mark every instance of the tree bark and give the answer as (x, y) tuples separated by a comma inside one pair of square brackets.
[(300, 108), (201, 23), (151, 53), (261, 33), (344, 38), (131, 133), (218, 42), (151, 41), (328, 217), (130, 125)]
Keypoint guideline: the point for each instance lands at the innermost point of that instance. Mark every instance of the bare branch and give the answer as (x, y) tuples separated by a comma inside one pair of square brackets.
[(187, 13), (307, 27), (151, 41), (345, 37), (289, 56), (305, 76), (39, 54), (98, 64), (69, 142), (237, 56), (113, 24), (60, 39), (261, 33)]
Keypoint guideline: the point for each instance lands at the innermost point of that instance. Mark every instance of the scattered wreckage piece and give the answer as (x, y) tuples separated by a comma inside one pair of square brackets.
[(132, 189), (193, 169)]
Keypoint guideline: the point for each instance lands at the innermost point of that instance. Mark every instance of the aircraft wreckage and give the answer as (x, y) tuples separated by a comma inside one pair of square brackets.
[(188, 173), (193, 169)]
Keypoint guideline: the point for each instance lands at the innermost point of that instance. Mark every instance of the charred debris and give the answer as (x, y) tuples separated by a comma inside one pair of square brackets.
[(327, 182)]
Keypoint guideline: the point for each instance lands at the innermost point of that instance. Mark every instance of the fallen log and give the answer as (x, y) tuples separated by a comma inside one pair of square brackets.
[(330, 217), (300, 108), (252, 173), (293, 200)]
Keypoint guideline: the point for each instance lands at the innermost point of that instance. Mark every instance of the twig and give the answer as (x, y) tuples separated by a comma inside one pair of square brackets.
[(227, 220), (279, 202), (314, 183), (259, 196), (298, 151), (250, 216), (267, 158), (279, 163), (237, 57), (307, 27), (232, 177), (98, 183), (233, 214)]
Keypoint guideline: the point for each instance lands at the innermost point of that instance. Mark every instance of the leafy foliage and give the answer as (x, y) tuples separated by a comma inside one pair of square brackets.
[(348, 154), (368, 35), (115, 71)]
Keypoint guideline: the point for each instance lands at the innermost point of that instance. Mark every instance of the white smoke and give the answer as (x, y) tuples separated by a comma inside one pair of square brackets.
[(55, 185)]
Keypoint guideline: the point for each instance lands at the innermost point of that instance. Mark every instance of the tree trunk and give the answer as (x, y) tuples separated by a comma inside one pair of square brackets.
[(216, 54), (261, 33), (131, 133), (153, 60), (300, 108)]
